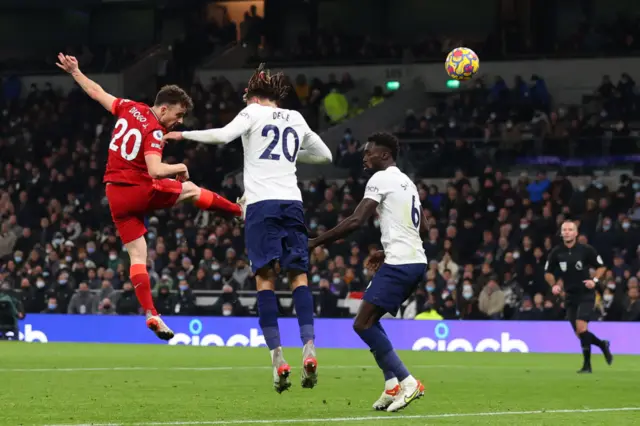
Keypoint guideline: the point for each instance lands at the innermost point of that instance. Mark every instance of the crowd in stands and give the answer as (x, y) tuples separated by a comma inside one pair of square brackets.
[(487, 244), (503, 123)]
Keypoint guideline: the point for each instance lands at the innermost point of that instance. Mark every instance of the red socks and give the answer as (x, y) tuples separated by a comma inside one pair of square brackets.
[(211, 201), (142, 285)]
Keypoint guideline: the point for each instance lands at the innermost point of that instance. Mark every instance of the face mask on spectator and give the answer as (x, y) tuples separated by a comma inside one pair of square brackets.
[(316, 279), (451, 287), (62, 281), (18, 259), (524, 226), (430, 288), (52, 306), (376, 223), (336, 280), (347, 137), (45, 274), (467, 288), (151, 236), (40, 284), (68, 258), (611, 286), (178, 235), (183, 287), (509, 124), (227, 312), (91, 250), (608, 297), (467, 294), (452, 124), (216, 277), (636, 185), (606, 227), (491, 208), (113, 256), (215, 267), (180, 277), (626, 225), (516, 254), (313, 225), (312, 189)]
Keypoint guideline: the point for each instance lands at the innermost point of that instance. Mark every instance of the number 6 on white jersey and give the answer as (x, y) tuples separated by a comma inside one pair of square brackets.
[(118, 135)]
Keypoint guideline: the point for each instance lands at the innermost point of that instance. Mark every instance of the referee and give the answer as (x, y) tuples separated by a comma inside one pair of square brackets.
[(573, 261)]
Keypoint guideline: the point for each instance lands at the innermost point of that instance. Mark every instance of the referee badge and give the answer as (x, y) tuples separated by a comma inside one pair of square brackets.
[(578, 266), (563, 266)]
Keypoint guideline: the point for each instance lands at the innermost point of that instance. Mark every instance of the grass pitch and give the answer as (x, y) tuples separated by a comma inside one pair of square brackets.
[(82, 384)]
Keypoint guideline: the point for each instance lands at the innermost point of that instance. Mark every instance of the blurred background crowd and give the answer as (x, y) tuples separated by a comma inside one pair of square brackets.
[(499, 165)]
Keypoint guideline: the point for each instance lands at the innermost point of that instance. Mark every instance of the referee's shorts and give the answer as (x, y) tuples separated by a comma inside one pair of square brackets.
[(580, 307)]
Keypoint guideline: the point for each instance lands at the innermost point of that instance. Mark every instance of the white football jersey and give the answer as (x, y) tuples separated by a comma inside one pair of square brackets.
[(273, 139), (400, 215)]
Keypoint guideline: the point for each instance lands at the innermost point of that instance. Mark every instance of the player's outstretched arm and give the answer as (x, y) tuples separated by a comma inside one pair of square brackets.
[(363, 212), (314, 151), (93, 89), (232, 131)]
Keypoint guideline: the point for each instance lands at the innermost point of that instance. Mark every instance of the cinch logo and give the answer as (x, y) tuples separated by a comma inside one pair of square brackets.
[(196, 339), (441, 332), (31, 335)]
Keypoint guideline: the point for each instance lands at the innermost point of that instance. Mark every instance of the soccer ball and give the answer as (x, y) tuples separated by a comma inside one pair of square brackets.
[(462, 63)]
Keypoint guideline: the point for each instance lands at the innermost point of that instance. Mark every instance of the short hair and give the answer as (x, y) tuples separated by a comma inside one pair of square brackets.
[(386, 140), (173, 95), (266, 86)]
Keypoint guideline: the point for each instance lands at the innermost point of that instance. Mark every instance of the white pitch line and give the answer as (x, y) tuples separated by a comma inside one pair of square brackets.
[(365, 418), (258, 367)]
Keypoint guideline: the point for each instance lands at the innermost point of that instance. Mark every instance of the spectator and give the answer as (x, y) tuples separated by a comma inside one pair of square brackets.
[(632, 306), (185, 301), (491, 301), (82, 302), (127, 303), (52, 306)]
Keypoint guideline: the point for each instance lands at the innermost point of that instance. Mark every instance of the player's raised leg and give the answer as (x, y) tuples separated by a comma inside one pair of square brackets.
[(207, 200), (303, 302), (139, 276), (268, 319), (367, 326), (295, 260)]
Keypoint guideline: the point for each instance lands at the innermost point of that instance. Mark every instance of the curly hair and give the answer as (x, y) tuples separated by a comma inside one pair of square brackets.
[(386, 140), (266, 86)]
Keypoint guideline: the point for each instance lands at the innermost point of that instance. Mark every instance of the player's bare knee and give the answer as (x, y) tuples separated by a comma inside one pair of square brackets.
[(265, 278), (297, 279), (581, 327), (137, 250), (360, 325), (190, 190)]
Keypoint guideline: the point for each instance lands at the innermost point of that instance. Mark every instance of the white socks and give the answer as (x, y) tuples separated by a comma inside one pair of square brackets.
[(409, 383), (390, 384)]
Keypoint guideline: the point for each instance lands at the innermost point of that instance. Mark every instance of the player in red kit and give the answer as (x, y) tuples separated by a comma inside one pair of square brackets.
[(137, 181)]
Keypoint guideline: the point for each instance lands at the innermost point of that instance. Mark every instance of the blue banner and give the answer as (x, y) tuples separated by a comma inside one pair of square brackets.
[(442, 336)]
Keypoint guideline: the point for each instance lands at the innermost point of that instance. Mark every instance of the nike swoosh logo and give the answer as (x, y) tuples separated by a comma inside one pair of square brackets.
[(412, 396), (137, 285)]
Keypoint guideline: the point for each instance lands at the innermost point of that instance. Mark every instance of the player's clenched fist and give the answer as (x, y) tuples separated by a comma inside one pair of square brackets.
[(183, 176), (374, 261)]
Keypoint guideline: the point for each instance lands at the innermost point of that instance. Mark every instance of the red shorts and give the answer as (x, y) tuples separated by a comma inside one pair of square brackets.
[(130, 204)]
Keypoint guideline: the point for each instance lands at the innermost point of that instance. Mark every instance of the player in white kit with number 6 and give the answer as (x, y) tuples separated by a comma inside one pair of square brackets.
[(274, 139)]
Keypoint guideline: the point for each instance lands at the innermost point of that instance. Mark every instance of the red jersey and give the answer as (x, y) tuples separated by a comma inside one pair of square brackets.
[(137, 133)]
